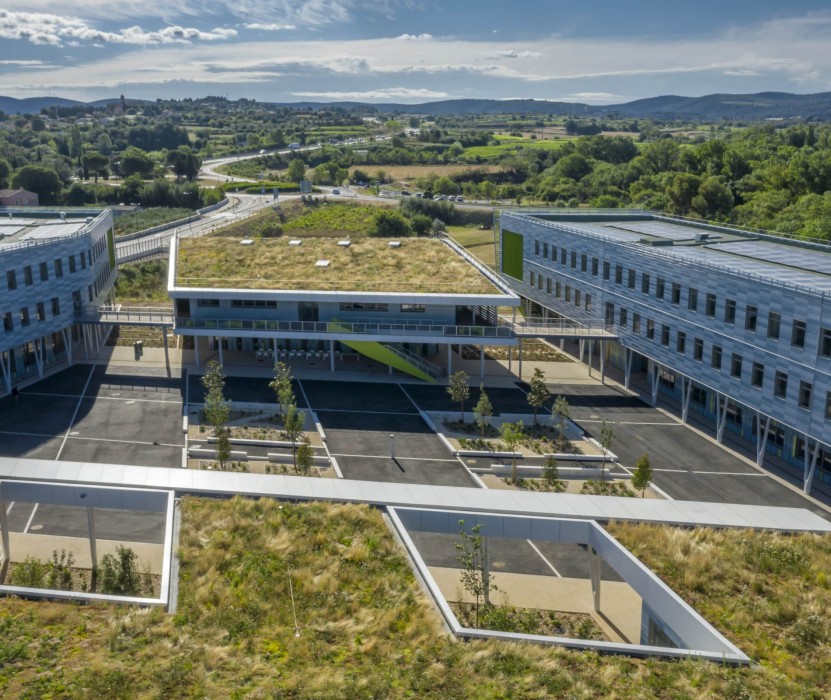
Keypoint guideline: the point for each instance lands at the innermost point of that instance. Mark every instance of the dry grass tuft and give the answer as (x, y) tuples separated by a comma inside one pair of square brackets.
[(366, 629)]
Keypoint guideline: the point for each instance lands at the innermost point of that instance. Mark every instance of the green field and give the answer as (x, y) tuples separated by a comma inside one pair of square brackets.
[(478, 242)]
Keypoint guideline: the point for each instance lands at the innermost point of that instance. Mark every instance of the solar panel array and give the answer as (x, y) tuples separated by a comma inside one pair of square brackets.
[(748, 266), (53, 231), (801, 258), (661, 229), (615, 234)]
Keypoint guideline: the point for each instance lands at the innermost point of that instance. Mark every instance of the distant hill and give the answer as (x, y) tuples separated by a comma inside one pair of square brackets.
[(753, 107), (33, 105)]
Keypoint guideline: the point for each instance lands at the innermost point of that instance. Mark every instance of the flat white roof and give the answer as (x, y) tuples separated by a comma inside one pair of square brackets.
[(685, 513)]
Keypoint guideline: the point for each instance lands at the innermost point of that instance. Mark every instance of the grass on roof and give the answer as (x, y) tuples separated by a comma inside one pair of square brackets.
[(366, 629), (420, 265)]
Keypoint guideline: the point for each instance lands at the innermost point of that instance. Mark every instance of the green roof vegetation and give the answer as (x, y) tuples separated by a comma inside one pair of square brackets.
[(366, 630), (419, 265)]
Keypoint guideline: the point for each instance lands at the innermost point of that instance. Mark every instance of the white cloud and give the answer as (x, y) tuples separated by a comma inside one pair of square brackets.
[(22, 63), (511, 53), (593, 97), (270, 27), (415, 37), (49, 29), (379, 94)]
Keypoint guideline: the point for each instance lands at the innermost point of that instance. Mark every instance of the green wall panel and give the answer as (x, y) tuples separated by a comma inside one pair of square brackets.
[(512, 254)]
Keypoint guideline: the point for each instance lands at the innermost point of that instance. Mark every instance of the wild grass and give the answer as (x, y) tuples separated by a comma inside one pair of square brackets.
[(367, 631), (333, 219), (142, 283), (767, 592), (419, 265), (148, 218)]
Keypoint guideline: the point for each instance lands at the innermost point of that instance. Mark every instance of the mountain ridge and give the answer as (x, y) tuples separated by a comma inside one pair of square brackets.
[(753, 106)]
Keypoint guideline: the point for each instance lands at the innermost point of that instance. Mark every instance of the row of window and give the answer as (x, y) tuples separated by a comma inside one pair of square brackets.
[(43, 270), (23, 317), (344, 306), (751, 312)]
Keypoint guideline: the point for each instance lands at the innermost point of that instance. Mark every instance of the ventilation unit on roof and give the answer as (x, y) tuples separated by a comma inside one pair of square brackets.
[(295, 241), (656, 242), (344, 244), (702, 237), (394, 244), (322, 263)]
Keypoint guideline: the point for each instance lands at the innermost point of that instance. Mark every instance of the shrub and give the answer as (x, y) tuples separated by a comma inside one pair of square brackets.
[(30, 573), (119, 575)]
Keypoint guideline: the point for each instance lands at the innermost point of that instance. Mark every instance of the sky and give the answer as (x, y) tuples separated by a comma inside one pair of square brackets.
[(411, 51)]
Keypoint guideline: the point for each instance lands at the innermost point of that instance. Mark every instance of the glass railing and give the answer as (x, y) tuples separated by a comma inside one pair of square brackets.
[(342, 327)]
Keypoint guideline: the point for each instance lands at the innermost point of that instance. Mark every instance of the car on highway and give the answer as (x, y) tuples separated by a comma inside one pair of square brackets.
[(336, 191)]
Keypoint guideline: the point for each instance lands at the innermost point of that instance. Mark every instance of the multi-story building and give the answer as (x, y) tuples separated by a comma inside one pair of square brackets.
[(52, 266), (732, 325), (402, 303)]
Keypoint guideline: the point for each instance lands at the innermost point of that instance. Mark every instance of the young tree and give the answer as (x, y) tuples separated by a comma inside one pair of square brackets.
[(296, 170), (120, 575), (483, 410), (607, 439), (459, 390), (560, 411), (473, 556), (550, 472), (512, 435), (281, 384), (539, 394), (642, 476), (305, 457), (217, 409), (293, 429)]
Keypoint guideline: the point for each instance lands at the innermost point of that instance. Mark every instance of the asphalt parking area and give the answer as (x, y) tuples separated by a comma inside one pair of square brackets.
[(68, 521), (242, 390), (436, 398), (370, 397), (90, 414), (359, 418), (513, 556)]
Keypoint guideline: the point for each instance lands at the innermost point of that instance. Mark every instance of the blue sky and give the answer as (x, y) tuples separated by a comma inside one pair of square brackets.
[(412, 50)]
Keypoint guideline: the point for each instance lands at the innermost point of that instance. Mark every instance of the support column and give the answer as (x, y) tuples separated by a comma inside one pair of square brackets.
[(196, 350), (581, 348), (762, 439), (590, 344), (481, 361), (166, 355), (5, 365), (221, 359), (520, 357), (93, 551), (38, 355), (594, 575), (654, 372), (67, 343), (627, 372), (389, 368), (722, 417), (686, 393), (4, 527), (562, 343), (449, 359), (602, 361), (486, 571), (86, 347), (809, 471), (331, 355)]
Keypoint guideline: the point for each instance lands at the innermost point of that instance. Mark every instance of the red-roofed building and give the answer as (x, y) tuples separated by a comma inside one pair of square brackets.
[(18, 198)]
